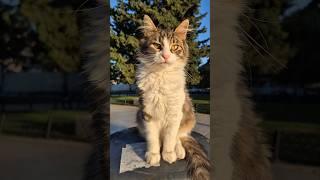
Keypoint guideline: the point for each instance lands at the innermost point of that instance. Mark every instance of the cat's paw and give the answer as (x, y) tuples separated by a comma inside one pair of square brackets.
[(153, 158), (170, 157), (180, 151)]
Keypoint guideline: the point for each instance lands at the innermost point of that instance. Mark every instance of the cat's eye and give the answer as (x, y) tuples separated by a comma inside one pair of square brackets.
[(156, 45), (175, 47)]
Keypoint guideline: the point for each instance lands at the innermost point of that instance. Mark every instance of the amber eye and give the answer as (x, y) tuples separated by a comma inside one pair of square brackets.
[(156, 45), (175, 47)]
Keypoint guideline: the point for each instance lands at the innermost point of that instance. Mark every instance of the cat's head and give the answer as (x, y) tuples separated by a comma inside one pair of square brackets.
[(163, 48)]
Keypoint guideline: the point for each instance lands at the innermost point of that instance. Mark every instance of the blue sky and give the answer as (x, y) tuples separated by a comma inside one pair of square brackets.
[(204, 7)]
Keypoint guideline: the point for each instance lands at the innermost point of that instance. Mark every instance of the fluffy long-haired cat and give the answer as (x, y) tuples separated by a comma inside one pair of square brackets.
[(166, 116), (239, 152)]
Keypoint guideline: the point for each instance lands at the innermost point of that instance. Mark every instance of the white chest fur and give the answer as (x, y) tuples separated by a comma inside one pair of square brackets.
[(163, 93)]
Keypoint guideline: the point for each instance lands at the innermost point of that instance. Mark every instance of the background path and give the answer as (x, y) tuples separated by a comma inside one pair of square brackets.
[(24, 158)]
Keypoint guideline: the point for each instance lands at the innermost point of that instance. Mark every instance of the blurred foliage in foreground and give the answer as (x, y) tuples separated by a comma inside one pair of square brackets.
[(39, 34)]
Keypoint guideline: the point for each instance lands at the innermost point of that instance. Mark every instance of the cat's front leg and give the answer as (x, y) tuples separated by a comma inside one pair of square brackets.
[(153, 143), (170, 138)]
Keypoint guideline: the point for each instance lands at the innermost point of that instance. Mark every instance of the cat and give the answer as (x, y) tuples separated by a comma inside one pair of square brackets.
[(166, 115), (239, 151)]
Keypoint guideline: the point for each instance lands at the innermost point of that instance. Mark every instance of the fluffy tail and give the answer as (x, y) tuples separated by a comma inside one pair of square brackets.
[(197, 161)]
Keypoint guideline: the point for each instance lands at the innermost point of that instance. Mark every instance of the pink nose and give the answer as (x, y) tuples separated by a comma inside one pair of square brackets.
[(166, 56)]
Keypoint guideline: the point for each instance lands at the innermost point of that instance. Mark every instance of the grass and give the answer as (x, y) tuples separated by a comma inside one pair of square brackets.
[(291, 126), (201, 103), (290, 112), (36, 123), (122, 98)]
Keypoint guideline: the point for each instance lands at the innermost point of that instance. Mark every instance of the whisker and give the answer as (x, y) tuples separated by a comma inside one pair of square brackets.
[(262, 48), (259, 30), (88, 9), (78, 9), (253, 46), (259, 20), (189, 75), (82, 4)]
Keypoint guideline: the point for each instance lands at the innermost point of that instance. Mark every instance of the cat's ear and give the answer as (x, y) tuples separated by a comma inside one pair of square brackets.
[(148, 26), (182, 29)]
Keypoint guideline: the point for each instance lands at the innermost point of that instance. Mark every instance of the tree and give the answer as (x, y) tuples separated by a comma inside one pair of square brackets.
[(127, 17), (205, 75), (20, 47), (267, 51), (57, 29)]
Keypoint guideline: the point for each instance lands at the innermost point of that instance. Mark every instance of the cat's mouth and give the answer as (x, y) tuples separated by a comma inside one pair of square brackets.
[(165, 63)]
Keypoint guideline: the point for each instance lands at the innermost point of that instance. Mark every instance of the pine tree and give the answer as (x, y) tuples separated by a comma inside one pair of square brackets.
[(19, 44), (267, 50), (127, 17)]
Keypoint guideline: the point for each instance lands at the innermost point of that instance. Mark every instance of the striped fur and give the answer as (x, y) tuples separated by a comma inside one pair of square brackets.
[(197, 162)]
